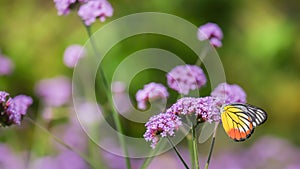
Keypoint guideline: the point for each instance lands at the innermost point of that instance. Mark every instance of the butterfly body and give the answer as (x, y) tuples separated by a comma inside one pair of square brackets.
[(239, 120)]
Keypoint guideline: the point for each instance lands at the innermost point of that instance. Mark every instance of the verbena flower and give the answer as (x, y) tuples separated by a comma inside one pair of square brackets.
[(63, 6), (6, 65), (205, 108), (12, 109), (185, 78), (229, 93), (161, 125), (149, 92), (72, 54), (54, 91), (212, 32), (94, 9)]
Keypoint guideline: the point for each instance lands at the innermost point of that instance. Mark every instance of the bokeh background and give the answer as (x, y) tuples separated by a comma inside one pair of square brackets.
[(261, 53)]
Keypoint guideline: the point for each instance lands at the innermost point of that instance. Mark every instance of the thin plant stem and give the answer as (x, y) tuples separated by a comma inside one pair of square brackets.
[(115, 115), (211, 146), (55, 138), (178, 154), (195, 147), (190, 146)]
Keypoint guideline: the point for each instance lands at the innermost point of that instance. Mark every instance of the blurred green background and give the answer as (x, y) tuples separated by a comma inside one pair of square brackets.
[(261, 48)]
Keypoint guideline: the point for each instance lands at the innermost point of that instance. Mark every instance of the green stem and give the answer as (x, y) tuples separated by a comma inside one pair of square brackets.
[(178, 154), (190, 146), (195, 147), (91, 163), (211, 146), (116, 117)]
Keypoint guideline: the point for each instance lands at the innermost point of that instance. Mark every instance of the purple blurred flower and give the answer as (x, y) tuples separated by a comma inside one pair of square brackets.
[(46, 162), (212, 32), (204, 108), (150, 91), (55, 91), (63, 6), (163, 124), (118, 87), (70, 160), (166, 160), (121, 97), (271, 151), (6, 65), (65, 160), (72, 54), (114, 161), (9, 160), (185, 78), (74, 135), (267, 152), (12, 109), (94, 9), (227, 93)]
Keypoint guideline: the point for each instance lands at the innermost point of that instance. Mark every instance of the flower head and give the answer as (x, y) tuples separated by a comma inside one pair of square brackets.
[(55, 91), (212, 32), (94, 9), (227, 93), (12, 109), (72, 54), (63, 6), (205, 108), (185, 78), (149, 92), (161, 125), (6, 65)]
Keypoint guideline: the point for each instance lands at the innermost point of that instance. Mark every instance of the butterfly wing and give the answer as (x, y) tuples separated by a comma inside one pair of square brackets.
[(239, 120), (258, 115)]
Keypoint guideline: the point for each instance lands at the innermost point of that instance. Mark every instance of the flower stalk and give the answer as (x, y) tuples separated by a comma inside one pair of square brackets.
[(195, 147), (108, 93), (211, 146), (178, 154)]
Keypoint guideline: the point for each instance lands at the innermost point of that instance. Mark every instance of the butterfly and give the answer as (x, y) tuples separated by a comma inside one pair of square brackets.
[(239, 120)]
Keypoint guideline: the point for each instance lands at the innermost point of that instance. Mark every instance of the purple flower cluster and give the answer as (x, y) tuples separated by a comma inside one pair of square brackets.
[(204, 108), (163, 124), (229, 93), (89, 10), (149, 92), (212, 32), (12, 109), (185, 78), (94, 9), (6, 65), (72, 54)]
